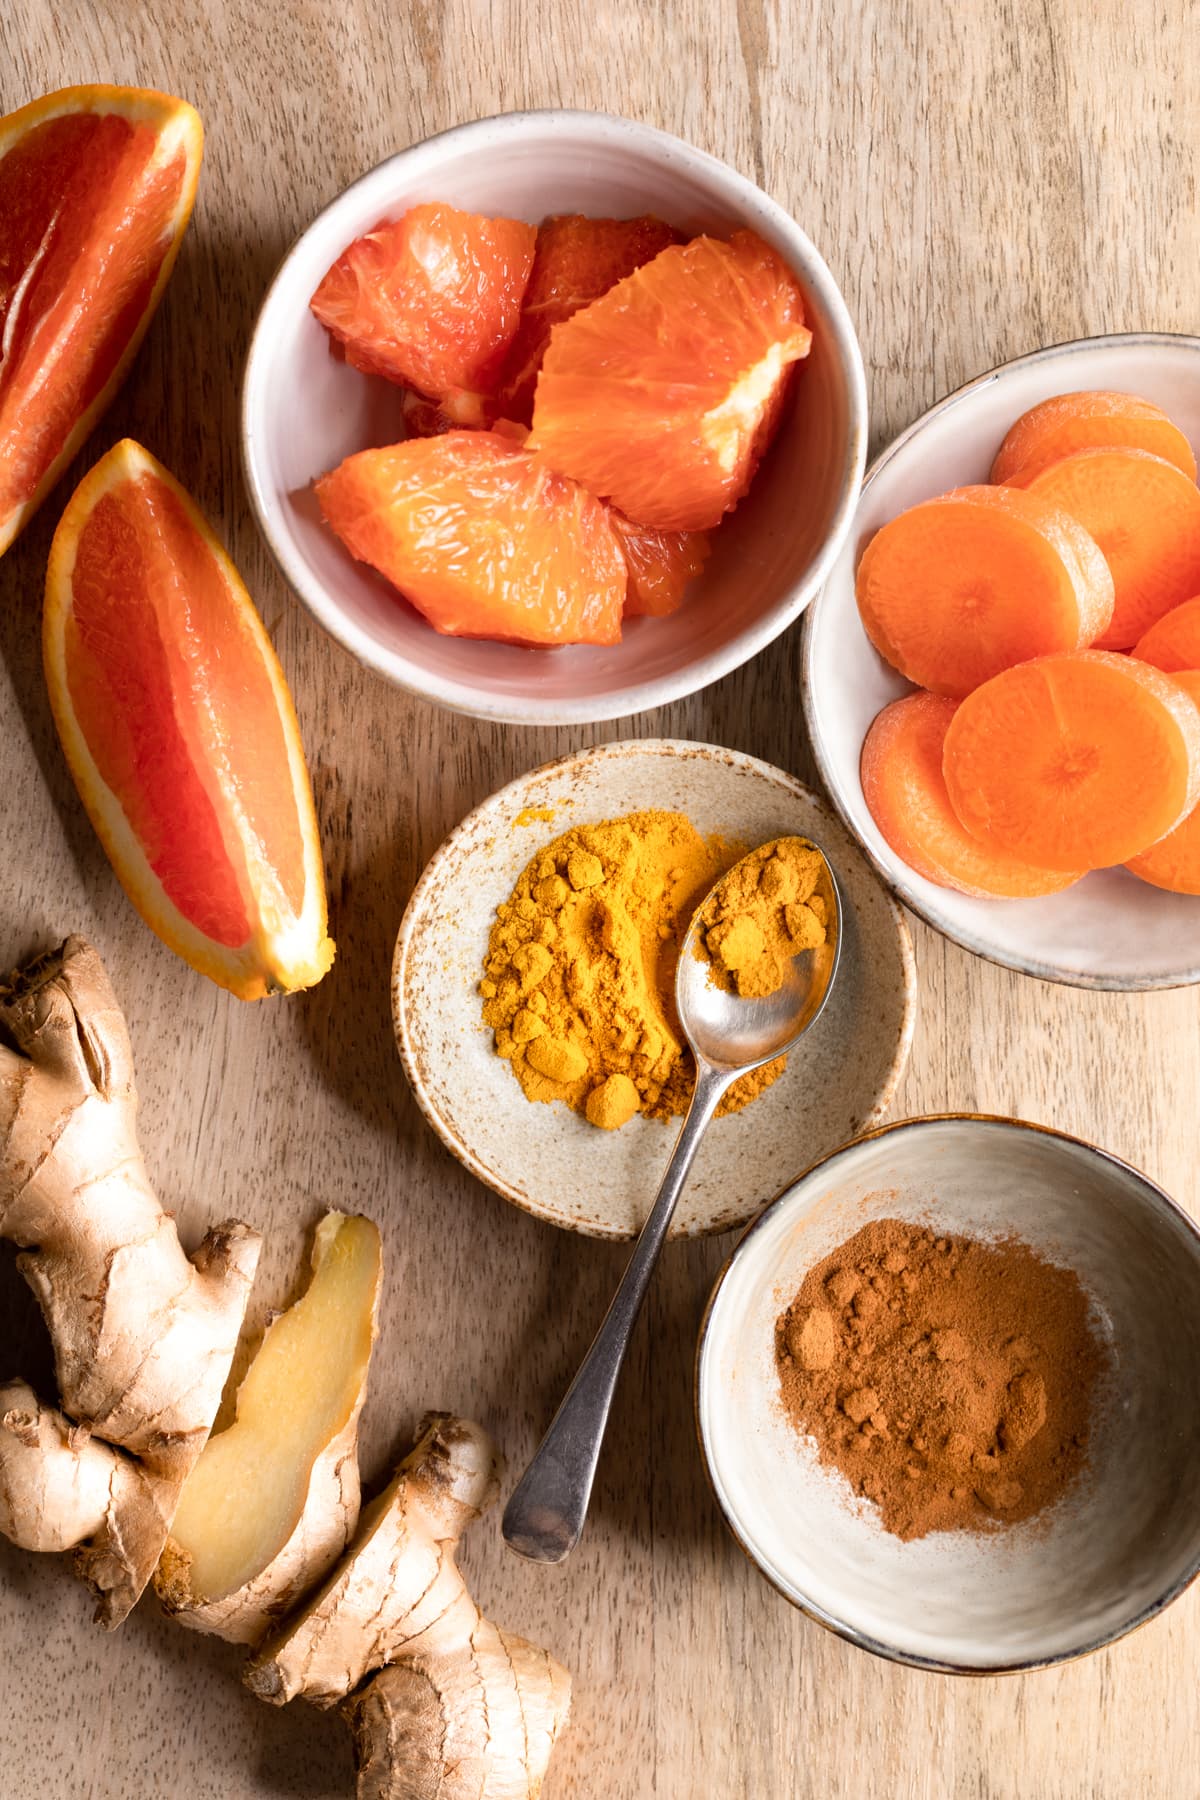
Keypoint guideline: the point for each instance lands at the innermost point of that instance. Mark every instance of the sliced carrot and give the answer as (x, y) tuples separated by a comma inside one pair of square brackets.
[(1074, 762), (905, 790), (1173, 642), (1145, 515), (958, 588), (1088, 421), (1174, 862)]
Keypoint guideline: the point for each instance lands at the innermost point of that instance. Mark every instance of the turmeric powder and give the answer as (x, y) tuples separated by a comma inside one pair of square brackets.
[(766, 911), (579, 978)]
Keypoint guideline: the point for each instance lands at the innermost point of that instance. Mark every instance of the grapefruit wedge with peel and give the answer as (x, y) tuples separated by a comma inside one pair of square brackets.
[(179, 730), (96, 189)]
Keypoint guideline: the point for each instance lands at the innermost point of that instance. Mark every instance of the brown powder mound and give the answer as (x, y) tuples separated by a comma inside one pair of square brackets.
[(950, 1380)]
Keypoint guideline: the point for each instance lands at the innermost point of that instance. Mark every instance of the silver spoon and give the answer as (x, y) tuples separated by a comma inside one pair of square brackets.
[(728, 1037)]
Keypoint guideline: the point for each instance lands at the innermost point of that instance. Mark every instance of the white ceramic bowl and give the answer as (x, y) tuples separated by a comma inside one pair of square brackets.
[(304, 409), (1109, 930), (543, 1157), (1116, 1550)]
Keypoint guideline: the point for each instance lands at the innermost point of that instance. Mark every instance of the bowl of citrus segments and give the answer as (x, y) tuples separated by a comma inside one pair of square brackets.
[(554, 418), (1002, 674)]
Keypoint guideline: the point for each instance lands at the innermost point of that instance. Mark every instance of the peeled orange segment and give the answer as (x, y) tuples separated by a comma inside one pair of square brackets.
[(96, 189), (660, 395), (180, 732), (1145, 515), (905, 791), (1174, 862), (1173, 642), (956, 589), (661, 565), (1074, 762), (575, 261), (1088, 421), (431, 299), (482, 538)]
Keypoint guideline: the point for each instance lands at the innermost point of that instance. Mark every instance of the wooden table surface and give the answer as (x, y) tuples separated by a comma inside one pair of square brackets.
[(982, 180)]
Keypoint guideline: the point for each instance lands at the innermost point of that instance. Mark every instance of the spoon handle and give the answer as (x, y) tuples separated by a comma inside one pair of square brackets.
[(544, 1518)]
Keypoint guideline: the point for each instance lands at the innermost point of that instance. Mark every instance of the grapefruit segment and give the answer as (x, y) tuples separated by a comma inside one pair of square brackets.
[(179, 730), (661, 564), (431, 299), (483, 539), (905, 792), (576, 259), (660, 395), (96, 189)]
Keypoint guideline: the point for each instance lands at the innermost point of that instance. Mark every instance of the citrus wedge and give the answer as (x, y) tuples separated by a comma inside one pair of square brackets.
[(662, 395), (96, 189), (179, 730), (481, 538)]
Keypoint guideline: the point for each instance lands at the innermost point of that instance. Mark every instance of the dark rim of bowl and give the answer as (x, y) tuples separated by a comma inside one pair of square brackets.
[(1157, 1196), (1038, 970), (756, 637)]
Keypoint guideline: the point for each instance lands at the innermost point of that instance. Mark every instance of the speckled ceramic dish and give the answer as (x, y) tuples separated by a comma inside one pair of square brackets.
[(1110, 930), (1118, 1548), (543, 1156)]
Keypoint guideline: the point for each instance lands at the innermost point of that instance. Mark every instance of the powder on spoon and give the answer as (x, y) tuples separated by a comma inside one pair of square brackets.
[(949, 1379)]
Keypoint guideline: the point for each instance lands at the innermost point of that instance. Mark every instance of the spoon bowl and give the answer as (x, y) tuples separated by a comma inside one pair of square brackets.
[(730, 1032), (728, 1035)]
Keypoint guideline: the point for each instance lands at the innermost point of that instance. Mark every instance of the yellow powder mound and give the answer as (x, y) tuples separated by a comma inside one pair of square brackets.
[(764, 913), (579, 977)]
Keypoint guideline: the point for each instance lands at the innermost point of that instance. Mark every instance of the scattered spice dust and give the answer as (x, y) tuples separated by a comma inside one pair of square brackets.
[(950, 1379)]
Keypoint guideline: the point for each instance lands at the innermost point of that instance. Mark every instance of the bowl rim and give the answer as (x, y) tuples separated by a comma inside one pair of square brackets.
[(460, 695), (896, 883), (459, 1148), (1158, 1198)]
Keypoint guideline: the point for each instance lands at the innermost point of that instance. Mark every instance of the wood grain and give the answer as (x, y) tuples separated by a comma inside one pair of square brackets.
[(982, 181)]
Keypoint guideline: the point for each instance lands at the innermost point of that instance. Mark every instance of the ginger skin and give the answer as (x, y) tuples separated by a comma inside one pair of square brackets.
[(143, 1335), (458, 1710)]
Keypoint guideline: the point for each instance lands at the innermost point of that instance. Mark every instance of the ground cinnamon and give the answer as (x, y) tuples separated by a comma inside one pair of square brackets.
[(949, 1379)]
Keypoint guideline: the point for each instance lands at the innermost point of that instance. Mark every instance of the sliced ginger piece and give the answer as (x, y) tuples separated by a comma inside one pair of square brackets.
[(274, 1499), (458, 1709)]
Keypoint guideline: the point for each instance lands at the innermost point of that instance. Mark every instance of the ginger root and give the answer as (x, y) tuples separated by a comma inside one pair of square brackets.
[(459, 1710), (143, 1335), (273, 1500)]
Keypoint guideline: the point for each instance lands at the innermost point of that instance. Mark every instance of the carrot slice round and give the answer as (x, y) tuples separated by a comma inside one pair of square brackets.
[(1145, 515), (1173, 642), (1088, 421), (1174, 862), (958, 588), (905, 789), (1074, 762)]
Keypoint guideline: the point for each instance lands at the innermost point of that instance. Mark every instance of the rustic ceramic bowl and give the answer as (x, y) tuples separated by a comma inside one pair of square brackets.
[(1117, 1549), (1109, 930), (304, 409), (543, 1156)]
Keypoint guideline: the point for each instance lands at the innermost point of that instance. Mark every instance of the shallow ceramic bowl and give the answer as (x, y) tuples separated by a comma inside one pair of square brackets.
[(304, 409), (1109, 930), (543, 1156), (1116, 1550)]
